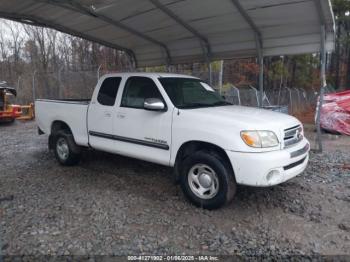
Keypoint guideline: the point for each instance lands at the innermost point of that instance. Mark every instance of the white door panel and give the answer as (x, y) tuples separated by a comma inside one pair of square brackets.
[(141, 133), (101, 115), (144, 134), (100, 123)]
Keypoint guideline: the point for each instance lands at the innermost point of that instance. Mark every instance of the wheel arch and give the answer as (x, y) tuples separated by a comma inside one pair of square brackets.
[(56, 126), (59, 125), (192, 146)]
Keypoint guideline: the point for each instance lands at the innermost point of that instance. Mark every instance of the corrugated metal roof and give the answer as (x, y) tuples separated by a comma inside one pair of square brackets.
[(157, 32)]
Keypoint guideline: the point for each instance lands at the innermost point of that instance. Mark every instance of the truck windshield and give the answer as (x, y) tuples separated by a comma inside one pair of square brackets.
[(191, 93)]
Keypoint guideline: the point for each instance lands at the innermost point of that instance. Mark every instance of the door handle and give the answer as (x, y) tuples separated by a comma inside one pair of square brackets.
[(120, 115), (107, 114)]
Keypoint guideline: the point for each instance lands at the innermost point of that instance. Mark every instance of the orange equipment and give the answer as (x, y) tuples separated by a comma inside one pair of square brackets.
[(8, 112), (27, 112)]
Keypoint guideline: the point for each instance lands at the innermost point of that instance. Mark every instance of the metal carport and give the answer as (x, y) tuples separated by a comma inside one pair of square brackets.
[(165, 32)]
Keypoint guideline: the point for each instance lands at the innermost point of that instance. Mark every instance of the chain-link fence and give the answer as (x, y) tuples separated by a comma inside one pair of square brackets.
[(293, 100), (79, 84), (53, 85), (74, 84)]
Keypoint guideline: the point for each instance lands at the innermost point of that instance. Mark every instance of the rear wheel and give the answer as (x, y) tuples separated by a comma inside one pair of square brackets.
[(66, 151), (207, 180)]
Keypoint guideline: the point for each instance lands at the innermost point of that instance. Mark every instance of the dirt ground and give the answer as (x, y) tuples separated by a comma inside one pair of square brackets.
[(113, 205)]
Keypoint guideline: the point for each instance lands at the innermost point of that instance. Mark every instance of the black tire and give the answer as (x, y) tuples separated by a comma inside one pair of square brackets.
[(224, 175), (73, 150)]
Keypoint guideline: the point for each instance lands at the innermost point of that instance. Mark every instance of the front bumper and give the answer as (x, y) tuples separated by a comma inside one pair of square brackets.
[(269, 168)]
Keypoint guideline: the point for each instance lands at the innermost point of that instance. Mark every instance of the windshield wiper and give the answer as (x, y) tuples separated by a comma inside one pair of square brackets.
[(197, 105), (193, 105), (221, 103)]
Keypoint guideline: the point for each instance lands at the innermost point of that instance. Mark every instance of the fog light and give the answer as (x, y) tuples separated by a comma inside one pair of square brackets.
[(272, 174)]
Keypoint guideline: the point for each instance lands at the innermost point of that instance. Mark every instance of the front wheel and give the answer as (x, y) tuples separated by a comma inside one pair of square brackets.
[(207, 180), (66, 151)]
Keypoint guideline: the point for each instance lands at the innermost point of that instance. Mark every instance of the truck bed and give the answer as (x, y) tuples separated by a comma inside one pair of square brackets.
[(73, 112), (67, 101)]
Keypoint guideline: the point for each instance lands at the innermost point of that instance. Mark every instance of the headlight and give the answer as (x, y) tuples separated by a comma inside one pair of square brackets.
[(260, 138)]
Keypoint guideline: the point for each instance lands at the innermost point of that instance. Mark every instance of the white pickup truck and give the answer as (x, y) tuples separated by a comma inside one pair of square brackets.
[(178, 121)]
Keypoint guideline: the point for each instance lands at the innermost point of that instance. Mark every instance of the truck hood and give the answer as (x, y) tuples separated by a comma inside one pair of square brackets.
[(222, 125), (246, 117)]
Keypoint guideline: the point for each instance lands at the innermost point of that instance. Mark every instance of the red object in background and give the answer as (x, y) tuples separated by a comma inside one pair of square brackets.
[(10, 115), (335, 112), (16, 111)]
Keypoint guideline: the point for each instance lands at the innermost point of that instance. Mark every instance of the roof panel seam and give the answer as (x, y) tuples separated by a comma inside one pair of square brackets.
[(77, 7), (183, 23), (33, 20)]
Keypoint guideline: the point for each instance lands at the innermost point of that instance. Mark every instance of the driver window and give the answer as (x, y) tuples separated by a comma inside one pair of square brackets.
[(137, 89)]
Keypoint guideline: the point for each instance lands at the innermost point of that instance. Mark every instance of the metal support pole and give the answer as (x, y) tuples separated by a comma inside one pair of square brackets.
[(18, 82), (98, 72), (133, 62), (290, 100), (259, 47), (256, 94), (261, 72), (221, 75), (238, 94), (210, 73), (1, 244), (60, 91), (33, 86), (281, 83), (298, 97), (322, 89), (279, 95)]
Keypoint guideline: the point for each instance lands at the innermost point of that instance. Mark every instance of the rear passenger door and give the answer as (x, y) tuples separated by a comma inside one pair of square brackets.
[(101, 114)]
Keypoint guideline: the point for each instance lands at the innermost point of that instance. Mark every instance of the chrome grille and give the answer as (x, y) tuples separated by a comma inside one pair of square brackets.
[(292, 135)]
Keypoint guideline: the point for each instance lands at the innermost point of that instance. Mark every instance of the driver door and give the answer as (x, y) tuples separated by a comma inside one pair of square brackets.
[(142, 133)]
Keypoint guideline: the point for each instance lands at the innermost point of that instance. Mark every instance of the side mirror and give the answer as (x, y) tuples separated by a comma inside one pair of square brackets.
[(154, 104)]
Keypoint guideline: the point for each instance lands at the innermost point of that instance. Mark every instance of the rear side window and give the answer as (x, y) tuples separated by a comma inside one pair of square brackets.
[(137, 89), (108, 91)]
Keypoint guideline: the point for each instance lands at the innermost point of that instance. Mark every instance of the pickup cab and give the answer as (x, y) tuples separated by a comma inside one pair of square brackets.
[(181, 122)]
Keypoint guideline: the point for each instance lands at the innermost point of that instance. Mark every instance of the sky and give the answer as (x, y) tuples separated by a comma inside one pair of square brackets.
[(5, 28)]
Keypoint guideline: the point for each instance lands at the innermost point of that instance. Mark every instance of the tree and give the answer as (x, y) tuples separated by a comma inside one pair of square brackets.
[(340, 58)]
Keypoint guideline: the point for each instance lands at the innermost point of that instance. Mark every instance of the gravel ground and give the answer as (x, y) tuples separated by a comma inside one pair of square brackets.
[(115, 205)]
